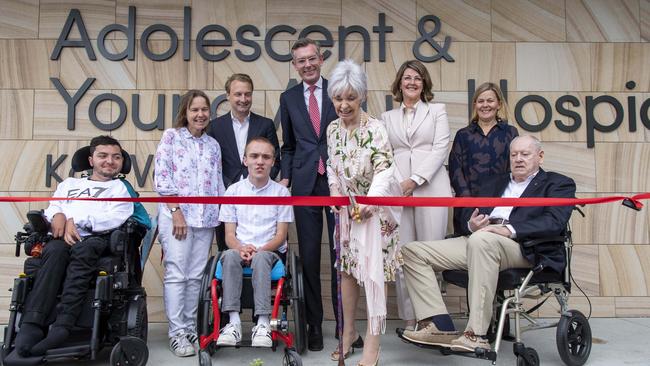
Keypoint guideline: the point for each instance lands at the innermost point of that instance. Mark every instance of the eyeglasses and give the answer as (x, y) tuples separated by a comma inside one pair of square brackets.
[(408, 79), (303, 61)]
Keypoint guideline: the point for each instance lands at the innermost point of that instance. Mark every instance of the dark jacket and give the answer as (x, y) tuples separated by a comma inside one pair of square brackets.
[(221, 130), (301, 148), (535, 222)]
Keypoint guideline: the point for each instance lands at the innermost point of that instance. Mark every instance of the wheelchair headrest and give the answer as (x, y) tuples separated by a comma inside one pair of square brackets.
[(80, 161)]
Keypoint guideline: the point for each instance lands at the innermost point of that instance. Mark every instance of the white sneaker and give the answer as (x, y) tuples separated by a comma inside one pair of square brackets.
[(193, 338), (261, 336), (230, 335), (180, 346)]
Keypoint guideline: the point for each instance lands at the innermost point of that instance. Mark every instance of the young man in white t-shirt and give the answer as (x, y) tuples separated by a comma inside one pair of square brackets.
[(80, 235), (256, 236)]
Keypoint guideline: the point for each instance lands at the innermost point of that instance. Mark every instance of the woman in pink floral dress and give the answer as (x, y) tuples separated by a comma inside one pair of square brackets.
[(361, 163)]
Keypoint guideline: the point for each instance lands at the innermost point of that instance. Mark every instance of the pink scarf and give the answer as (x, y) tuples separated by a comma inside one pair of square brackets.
[(366, 238)]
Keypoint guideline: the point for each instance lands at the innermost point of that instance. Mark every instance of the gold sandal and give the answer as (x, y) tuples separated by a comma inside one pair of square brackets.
[(376, 361), (336, 355)]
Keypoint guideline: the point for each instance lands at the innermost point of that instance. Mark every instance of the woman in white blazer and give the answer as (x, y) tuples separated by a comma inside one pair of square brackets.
[(419, 133)]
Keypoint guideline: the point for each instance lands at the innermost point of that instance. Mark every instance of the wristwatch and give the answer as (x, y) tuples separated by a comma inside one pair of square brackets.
[(174, 209)]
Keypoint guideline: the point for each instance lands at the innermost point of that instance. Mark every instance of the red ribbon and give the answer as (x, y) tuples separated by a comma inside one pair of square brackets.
[(633, 202)]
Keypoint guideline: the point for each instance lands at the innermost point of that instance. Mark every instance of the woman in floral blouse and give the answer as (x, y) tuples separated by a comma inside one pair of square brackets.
[(481, 149), (361, 163), (188, 163)]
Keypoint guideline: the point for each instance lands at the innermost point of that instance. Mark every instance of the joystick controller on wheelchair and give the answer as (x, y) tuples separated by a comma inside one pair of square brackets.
[(35, 235)]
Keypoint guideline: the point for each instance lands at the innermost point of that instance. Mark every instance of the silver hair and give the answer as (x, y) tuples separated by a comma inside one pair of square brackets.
[(534, 140), (348, 75)]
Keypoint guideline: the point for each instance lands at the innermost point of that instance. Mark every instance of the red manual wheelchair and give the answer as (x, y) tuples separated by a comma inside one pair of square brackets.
[(288, 293)]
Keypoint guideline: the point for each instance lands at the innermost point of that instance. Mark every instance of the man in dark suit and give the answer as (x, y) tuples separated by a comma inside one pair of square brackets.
[(233, 131), (305, 112), (492, 244)]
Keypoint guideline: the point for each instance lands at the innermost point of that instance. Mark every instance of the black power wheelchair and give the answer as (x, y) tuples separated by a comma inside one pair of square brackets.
[(573, 333), (115, 311), (287, 284)]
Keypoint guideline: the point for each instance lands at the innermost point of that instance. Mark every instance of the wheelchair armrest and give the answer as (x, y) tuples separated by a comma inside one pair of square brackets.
[(131, 226), (550, 239), (118, 241)]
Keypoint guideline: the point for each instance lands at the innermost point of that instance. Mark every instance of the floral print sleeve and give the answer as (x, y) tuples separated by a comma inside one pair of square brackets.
[(332, 179), (382, 153), (187, 165), (164, 166)]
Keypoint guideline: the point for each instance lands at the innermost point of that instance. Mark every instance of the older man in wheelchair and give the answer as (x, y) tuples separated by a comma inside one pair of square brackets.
[(495, 240), (81, 233)]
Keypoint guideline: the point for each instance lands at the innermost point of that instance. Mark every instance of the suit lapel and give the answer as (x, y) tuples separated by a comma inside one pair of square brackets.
[(534, 186), (395, 122), (497, 191), (419, 117), (302, 107), (325, 108), (253, 127), (229, 135)]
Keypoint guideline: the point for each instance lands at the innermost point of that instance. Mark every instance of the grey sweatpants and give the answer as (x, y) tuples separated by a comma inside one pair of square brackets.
[(232, 275)]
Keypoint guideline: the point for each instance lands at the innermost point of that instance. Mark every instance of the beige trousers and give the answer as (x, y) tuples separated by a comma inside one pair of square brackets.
[(482, 254)]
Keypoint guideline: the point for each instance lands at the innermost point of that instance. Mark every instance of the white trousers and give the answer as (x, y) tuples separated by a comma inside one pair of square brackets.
[(184, 261)]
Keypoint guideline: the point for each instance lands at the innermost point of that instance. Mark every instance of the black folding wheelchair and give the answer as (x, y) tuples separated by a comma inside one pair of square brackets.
[(115, 311), (573, 333), (287, 284)]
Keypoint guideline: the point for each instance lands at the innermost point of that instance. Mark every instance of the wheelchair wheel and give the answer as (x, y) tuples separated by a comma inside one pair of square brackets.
[(573, 338), (204, 358), (298, 305), (529, 358), (138, 319), (291, 358), (129, 351), (205, 318)]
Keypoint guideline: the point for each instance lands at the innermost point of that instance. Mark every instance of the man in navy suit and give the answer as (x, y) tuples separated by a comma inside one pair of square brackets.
[(493, 242), (233, 131), (305, 112)]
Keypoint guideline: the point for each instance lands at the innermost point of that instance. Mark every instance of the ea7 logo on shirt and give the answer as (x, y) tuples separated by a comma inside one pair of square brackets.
[(88, 192)]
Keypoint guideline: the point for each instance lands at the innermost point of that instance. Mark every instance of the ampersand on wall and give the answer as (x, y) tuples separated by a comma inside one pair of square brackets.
[(442, 50)]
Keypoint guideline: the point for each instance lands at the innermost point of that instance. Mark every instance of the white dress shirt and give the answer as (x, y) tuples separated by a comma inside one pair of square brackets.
[(240, 128), (513, 190), (256, 224)]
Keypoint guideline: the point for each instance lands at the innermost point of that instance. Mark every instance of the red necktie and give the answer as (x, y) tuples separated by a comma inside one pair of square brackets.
[(314, 116)]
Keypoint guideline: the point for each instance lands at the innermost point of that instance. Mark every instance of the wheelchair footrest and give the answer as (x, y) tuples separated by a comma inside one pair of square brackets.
[(13, 359), (79, 351), (480, 354)]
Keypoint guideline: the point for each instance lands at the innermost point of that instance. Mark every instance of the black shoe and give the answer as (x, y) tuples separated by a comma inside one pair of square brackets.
[(315, 338), (358, 343)]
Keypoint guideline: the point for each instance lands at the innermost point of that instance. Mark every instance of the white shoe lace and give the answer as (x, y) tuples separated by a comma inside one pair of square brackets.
[(261, 330), (231, 330)]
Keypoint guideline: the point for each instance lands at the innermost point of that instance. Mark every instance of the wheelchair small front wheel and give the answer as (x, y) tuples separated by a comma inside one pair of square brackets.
[(528, 358), (573, 338), (291, 358), (129, 351), (204, 358)]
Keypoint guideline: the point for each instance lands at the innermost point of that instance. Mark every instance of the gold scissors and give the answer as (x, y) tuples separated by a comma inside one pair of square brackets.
[(356, 213)]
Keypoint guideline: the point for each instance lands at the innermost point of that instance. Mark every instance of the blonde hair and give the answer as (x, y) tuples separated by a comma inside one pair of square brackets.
[(502, 113)]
